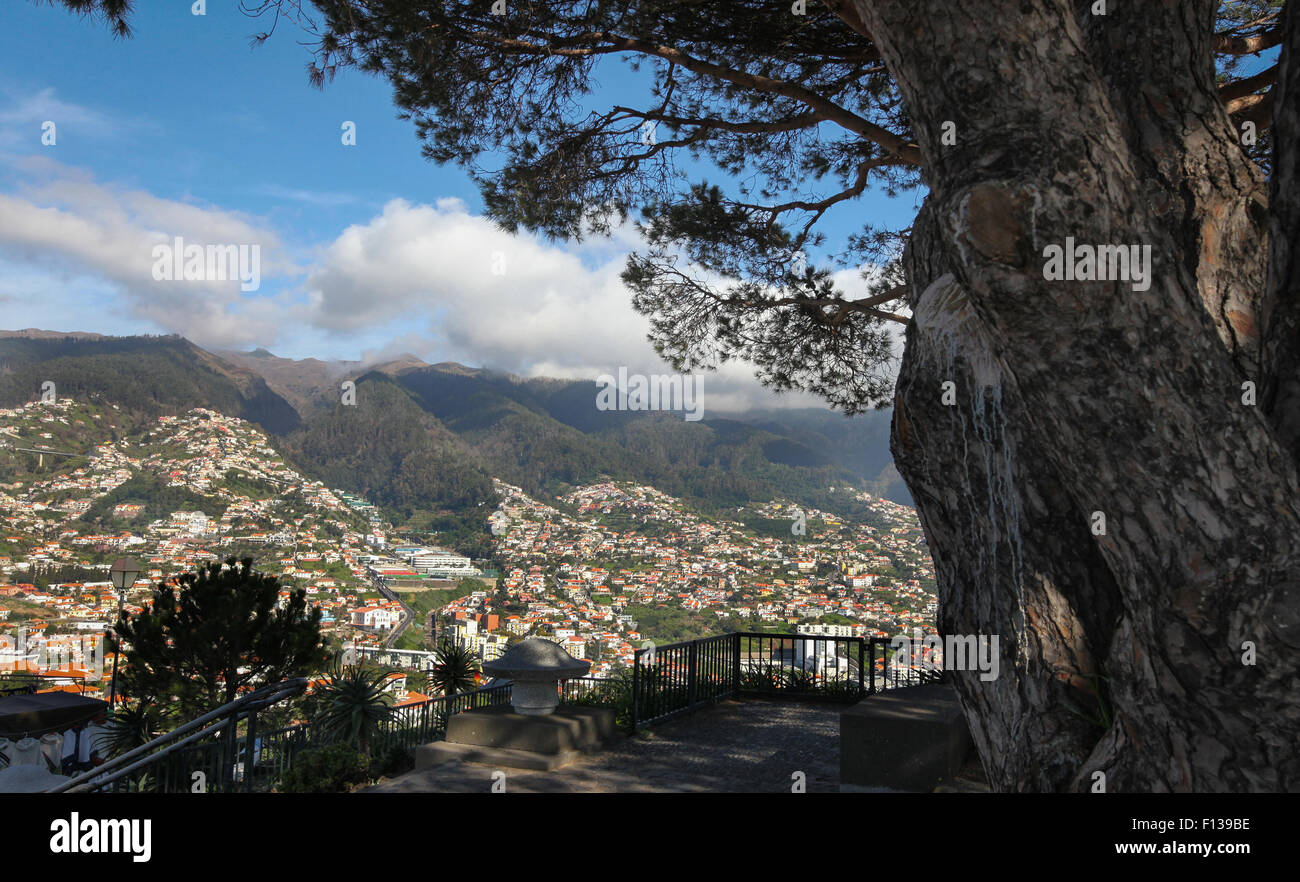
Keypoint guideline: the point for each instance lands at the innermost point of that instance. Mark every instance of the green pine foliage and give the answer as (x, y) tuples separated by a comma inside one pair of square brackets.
[(216, 634)]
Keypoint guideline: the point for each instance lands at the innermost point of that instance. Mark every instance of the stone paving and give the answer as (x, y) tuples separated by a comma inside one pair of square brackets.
[(732, 747)]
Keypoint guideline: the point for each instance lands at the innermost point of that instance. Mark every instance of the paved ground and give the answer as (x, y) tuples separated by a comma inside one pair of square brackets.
[(735, 746)]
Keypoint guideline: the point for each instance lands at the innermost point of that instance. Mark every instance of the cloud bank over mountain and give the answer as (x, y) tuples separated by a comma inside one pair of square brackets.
[(433, 280)]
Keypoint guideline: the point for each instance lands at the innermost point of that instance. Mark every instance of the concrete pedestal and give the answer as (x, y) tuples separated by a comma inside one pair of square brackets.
[(910, 739), (536, 698), (500, 736)]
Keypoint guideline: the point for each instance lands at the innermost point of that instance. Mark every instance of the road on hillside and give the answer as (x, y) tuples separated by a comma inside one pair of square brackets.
[(408, 614)]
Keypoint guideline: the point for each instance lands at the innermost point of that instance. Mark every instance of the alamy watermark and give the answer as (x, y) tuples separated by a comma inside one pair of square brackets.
[(78, 835), (657, 392), (956, 652), (1098, 263), (176, 261)]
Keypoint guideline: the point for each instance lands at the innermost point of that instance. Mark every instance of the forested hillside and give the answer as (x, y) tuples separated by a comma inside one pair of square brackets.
[(144, 376), (423, 441), (388, 449)]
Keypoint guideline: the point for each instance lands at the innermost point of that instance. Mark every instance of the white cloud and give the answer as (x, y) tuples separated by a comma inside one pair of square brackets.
[(63, 219), (485, 295), (432, 280), (552, 311), (22, 114)]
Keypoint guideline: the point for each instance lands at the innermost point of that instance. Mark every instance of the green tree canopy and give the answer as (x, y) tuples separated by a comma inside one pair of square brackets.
[(216, 633)]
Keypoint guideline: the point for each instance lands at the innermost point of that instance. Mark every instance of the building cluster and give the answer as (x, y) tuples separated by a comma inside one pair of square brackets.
[(414, 566), (576, 568), (252, 503)]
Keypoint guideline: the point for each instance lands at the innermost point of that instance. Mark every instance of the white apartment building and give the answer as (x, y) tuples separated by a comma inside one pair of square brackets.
[(377, 617), (832, 630), (436, 561)]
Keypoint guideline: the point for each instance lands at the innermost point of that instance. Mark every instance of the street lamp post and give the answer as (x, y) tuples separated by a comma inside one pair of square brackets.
[(124, 572)]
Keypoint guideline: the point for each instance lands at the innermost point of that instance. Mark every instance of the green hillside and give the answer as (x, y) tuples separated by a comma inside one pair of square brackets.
[(422, 441), (144, 376), (388, 449)]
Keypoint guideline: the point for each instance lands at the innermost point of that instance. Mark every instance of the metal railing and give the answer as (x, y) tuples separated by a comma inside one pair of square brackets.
[(421, 723), (207, 744), (678, 678), (665, 681), (214, 752), (586, 688), (674, 679)]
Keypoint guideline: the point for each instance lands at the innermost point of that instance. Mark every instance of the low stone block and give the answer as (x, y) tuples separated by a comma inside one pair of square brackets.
[(439, 752), (909, 739), (500, 736)]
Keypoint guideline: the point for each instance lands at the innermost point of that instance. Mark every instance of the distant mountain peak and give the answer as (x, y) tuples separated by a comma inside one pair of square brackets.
[(38, 334), (398, 364)]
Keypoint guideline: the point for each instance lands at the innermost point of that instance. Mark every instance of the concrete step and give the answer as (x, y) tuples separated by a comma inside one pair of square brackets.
[(912, 739), (439, 752)]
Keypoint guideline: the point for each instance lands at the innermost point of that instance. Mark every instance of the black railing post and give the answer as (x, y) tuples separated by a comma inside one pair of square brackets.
[(693, 656), (871, 660), (227, 754), (860, 643), (250, 761), (735, 665), (636, 683)]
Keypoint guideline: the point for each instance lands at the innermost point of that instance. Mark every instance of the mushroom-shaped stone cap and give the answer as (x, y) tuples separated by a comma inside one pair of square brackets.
[(537, 659)]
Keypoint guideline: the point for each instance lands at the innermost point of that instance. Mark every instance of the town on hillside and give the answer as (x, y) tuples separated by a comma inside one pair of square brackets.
[(601, 570)]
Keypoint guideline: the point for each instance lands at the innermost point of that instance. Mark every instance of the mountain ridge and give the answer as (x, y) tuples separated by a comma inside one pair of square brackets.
[(543, 434)]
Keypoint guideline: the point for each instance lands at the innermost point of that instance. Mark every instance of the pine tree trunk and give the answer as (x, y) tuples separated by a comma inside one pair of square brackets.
[(1122, 652)]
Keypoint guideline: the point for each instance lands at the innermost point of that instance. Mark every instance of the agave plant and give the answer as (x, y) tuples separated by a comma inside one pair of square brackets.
[(353, 707), (131, 726), (454, 670)]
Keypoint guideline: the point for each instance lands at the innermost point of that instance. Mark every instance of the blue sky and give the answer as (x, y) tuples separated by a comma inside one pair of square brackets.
[(186, 129), (367, 251)]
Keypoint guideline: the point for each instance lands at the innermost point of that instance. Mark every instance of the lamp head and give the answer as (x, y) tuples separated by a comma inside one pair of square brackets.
[(124, 573)]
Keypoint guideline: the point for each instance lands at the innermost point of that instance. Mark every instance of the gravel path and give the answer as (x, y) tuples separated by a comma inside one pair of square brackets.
[(732, 747)]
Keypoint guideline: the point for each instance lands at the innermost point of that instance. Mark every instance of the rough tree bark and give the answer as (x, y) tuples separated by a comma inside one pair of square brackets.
[(1122, 653)]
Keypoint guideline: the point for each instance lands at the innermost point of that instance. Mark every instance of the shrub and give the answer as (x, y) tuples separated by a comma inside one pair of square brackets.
[(333, 769), (766, 679), (843, 689), (799, 680), (615, 693), (394, 761)]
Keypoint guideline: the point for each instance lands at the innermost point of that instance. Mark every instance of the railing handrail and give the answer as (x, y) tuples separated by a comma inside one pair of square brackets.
[(669, 685), (407, 724), (433, 699), (679, 644), (120, 766)]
